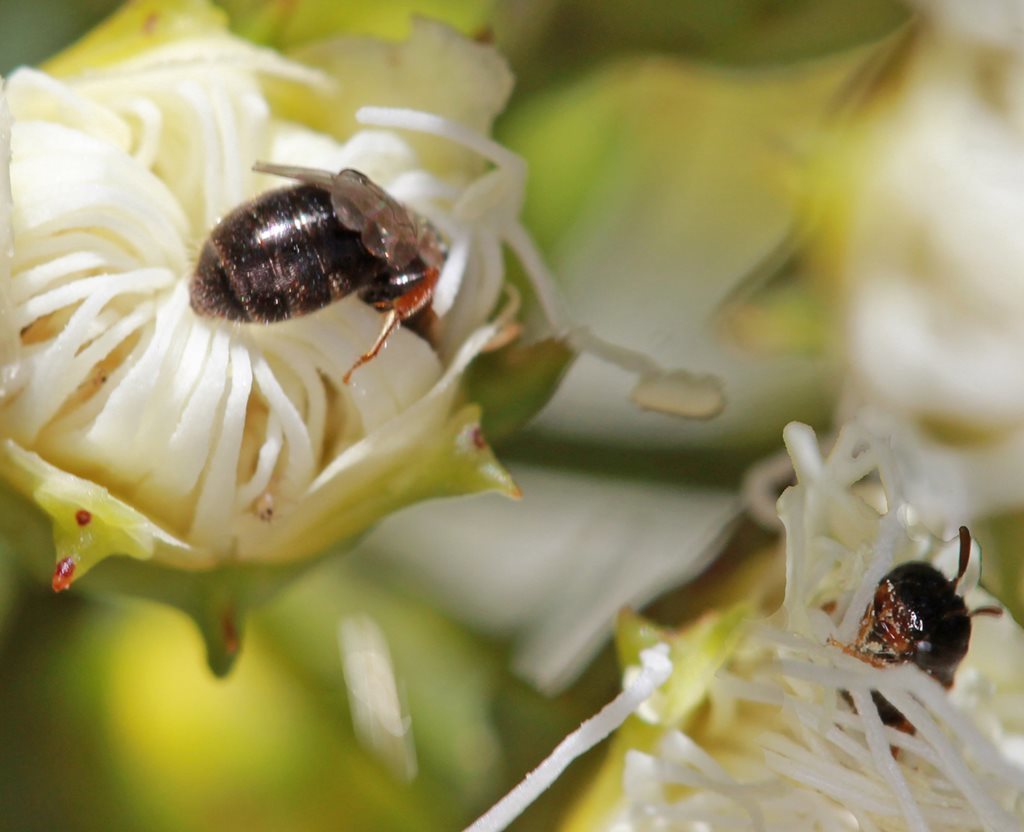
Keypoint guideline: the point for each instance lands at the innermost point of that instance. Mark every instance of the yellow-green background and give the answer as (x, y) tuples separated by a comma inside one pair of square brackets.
[(109, 718)]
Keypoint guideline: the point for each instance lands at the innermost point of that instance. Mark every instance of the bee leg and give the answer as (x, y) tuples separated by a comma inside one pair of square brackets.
[(418, 296), (995, 612), (425, 324), (391, 322), (864, 656), (402, 308)]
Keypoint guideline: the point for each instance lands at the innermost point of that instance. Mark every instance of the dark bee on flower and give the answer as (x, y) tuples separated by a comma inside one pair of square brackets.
[(295, 250), (917, 616)]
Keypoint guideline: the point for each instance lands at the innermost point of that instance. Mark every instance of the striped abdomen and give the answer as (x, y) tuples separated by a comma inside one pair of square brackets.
[(281, 255)]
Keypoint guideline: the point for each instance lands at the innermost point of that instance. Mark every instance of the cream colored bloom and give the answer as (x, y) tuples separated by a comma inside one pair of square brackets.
[(753, 730), (146, 429)]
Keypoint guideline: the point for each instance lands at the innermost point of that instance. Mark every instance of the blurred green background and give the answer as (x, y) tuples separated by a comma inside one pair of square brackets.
[(662, 138)]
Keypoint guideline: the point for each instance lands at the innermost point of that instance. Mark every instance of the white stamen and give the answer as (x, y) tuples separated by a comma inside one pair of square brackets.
[(669, 391), (435, 125), (888, 529), (887, 766), (824, 760), (187, 449), (300, 451), (217, 494), (761, 487), (451, 276), (656, 667), (266, 460)]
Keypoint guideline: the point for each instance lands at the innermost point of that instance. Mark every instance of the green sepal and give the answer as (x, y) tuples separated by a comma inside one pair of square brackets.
[(460, 462), (40, 524), (136, 27), (697, 652), (218, 600), (88, 522), (512, 384), (451, 460)]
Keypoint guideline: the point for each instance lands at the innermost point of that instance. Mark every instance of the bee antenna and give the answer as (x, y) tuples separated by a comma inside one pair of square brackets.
[(965, 554)]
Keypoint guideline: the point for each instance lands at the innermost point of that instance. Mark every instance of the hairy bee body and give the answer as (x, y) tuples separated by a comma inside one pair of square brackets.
[(917, 616), (295, 250), (282, 255)]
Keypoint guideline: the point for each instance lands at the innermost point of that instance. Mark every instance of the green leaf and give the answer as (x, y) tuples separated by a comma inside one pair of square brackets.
[(554, 38)]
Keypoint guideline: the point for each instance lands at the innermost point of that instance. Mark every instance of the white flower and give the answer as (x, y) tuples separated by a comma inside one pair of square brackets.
[(146, 429), (777, 745), (222, 441), (930, 173)]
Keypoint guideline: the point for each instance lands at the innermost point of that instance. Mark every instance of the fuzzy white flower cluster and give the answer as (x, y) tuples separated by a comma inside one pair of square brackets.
[(931, 258), (791, 738)]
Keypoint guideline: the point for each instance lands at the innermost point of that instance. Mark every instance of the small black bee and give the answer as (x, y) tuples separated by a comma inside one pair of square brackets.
[(297, 249), (917, 617)]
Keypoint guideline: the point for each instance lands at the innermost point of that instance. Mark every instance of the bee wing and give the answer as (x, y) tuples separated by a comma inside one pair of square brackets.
[(387, 228), (308, 176)]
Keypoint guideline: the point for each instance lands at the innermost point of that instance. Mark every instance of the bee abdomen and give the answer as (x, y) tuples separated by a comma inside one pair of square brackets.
[(282, 255), (211, 292)]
